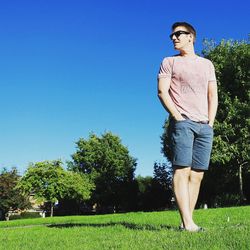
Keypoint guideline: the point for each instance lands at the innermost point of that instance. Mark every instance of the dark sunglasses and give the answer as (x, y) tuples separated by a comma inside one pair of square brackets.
[(178, 33)]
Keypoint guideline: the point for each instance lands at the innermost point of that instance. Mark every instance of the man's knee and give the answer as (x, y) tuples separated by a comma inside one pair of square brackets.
[(182, 172), (196, 176)]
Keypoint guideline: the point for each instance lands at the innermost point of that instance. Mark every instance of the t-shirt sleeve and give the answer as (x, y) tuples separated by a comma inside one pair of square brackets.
[(211, 77), (165, 68)]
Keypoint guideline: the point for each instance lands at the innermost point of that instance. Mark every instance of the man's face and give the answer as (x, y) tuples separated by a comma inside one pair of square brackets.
[(181, 37)]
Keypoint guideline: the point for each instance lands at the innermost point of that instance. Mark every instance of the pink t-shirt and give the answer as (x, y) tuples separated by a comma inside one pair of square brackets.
[(189, 84)]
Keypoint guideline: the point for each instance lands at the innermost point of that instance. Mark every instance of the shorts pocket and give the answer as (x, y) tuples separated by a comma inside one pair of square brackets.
[(180, 121), (208, 130), (210, 127)]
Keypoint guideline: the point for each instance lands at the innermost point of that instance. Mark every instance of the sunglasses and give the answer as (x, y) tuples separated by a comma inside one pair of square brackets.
[(178, 33)]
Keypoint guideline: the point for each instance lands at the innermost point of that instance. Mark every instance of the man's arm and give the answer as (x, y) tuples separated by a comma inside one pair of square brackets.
[(163, 94), (212, 102)]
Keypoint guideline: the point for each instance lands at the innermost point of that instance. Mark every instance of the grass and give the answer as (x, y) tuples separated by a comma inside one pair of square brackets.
[(226, 228)]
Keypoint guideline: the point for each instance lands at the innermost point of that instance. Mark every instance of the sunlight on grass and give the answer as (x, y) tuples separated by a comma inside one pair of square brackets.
[(226, 228)]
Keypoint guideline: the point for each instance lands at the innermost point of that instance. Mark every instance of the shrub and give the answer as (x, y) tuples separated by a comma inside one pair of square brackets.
[(227, 199), (25, 215)]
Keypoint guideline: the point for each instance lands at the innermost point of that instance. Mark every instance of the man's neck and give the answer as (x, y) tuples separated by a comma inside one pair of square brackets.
[(188, 53)]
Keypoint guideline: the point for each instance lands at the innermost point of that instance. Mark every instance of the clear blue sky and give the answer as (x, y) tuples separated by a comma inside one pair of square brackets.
[(68, 68)]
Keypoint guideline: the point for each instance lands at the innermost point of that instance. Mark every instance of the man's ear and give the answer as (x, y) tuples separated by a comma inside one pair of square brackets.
[(192, 38)]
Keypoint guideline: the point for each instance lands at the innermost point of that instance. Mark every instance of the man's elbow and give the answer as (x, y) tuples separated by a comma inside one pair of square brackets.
[(160, 95), (213, 97)]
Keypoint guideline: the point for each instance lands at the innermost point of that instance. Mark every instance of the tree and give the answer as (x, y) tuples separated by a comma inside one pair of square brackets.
[(10, 197), (165, 141), (145, 197), (110, 166), (162, 184), (49, 182), (163, 174), (155, 193), (231, 149)]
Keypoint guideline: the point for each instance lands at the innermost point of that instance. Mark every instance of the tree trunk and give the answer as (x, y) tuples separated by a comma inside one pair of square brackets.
[(51, 209), (242, 196)]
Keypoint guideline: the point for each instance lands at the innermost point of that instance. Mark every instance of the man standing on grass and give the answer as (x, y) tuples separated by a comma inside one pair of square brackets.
[(188, 91)]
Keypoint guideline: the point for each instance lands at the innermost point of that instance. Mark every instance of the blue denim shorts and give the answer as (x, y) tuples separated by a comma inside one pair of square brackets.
[(190, 143)]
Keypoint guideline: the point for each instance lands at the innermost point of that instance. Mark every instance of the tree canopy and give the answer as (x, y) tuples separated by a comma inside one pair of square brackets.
[(109, 164), (49, 182), (231, 148), (10, 196)]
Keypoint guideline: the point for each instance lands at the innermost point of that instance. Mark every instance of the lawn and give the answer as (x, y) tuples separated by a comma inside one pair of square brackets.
[(225, 228)]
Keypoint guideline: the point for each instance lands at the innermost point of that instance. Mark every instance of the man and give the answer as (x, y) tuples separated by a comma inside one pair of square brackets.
[(188, 91)]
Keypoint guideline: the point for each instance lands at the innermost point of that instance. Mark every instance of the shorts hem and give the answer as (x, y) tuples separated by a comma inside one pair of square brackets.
[(200, 168), (183, 165)]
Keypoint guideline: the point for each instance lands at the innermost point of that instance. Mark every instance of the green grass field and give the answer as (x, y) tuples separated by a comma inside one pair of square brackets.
[(226, 228)]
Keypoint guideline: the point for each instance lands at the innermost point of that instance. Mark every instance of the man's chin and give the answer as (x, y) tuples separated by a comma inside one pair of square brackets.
[(176, 47)]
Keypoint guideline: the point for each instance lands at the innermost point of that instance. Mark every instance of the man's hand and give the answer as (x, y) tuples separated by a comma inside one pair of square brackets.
[(179, 118), (211, 124)]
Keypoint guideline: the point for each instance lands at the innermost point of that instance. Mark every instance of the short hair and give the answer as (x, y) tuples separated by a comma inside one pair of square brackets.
[(188, 26)]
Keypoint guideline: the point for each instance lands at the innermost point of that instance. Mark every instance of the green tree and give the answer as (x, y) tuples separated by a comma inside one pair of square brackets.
[(145, 196), (163, 174), (10, 197), (155, 193), (231, 149), (110, 166), (49, 182), (162, 184)]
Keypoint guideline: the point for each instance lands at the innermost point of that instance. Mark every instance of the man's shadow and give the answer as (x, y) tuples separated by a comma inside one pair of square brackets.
[(127, 225)]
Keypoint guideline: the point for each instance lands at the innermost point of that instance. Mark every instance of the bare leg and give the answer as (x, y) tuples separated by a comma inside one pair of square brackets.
[(196, 177), (181, 189)]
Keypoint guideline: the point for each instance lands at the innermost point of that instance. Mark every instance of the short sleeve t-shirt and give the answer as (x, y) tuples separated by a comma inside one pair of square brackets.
[(189, 84)]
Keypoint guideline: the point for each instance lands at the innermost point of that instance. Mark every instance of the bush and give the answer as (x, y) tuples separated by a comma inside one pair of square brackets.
[(25, 215), (227, 200)]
